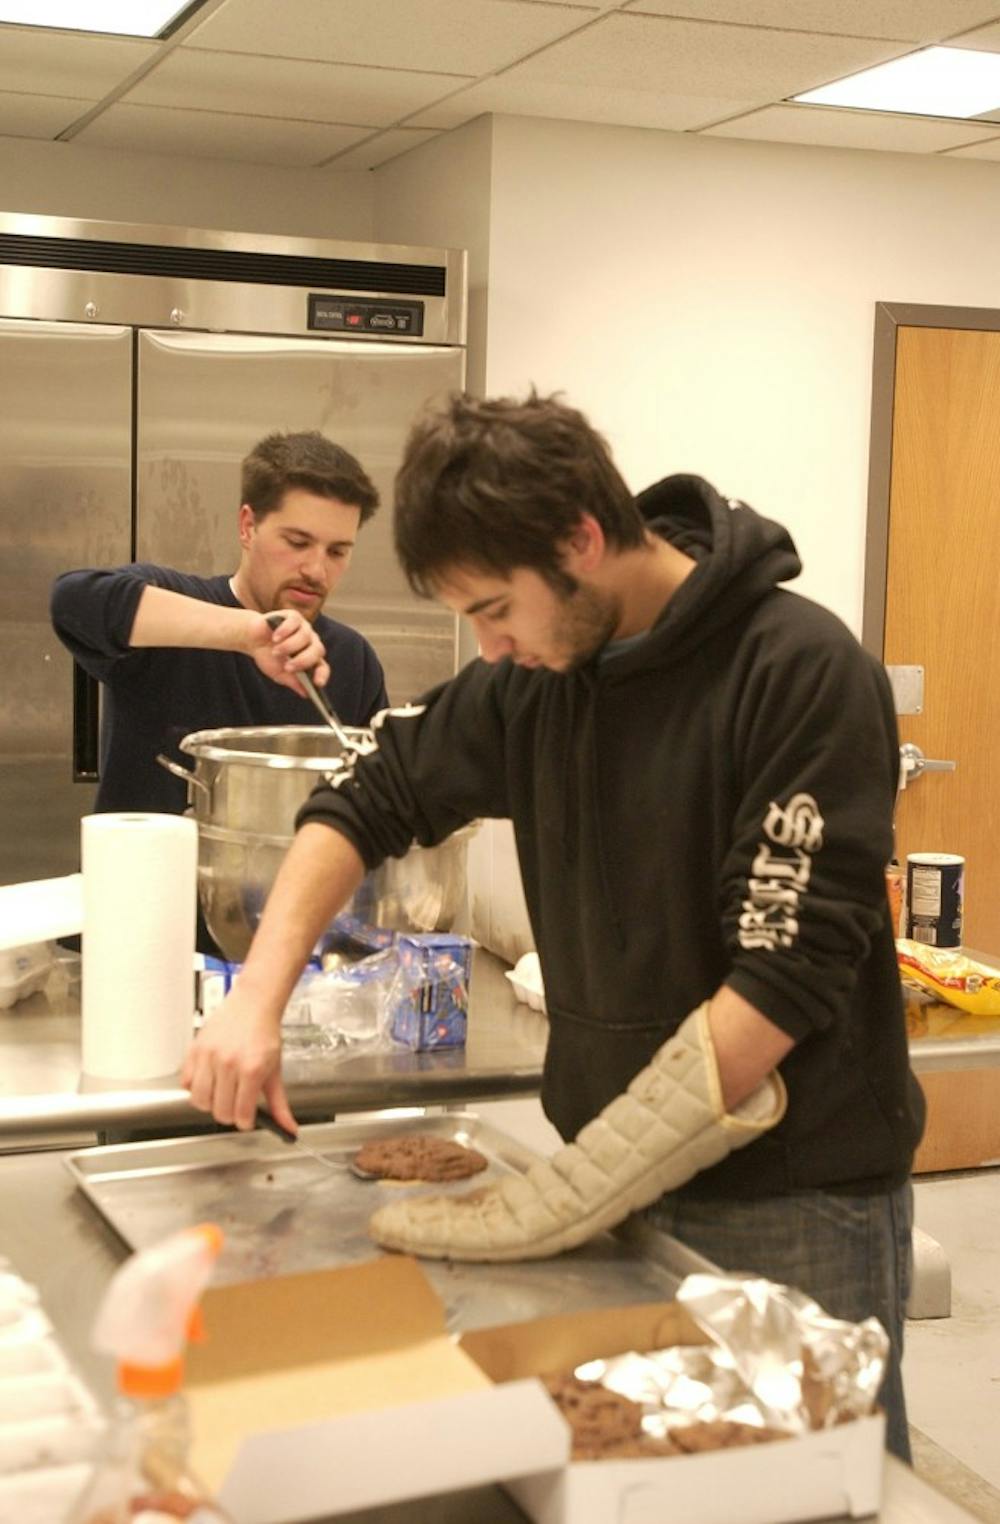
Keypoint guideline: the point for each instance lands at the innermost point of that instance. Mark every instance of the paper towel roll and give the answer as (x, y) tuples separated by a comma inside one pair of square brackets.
[(139, 905)]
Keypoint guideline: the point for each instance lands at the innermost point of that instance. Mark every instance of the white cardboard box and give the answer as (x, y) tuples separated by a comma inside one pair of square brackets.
[(339, 1390), (832, 1472)]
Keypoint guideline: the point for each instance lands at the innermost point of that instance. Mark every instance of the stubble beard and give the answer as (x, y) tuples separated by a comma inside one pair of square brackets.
[(589, 620)]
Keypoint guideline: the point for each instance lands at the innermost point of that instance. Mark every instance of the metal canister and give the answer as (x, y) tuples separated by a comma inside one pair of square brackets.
[(894, 890), (935, 898)]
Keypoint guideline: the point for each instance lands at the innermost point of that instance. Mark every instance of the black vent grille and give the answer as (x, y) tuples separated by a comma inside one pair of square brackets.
[(221, 264)]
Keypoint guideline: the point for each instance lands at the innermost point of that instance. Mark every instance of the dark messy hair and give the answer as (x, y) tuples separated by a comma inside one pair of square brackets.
[(308, 460), (501, 484)]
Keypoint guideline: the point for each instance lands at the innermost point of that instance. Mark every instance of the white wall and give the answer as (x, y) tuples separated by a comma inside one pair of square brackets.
[(439, 195), (100, 184), (710, 303)]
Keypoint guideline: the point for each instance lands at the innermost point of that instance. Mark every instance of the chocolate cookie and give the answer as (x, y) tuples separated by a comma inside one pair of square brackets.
[(608, 1426), (598, 1417), (418, 1156), (639, 1447), (720, 1434)]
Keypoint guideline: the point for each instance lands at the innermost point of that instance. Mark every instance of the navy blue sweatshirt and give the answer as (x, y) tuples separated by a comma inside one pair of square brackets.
[(712, 804), (154, 696)]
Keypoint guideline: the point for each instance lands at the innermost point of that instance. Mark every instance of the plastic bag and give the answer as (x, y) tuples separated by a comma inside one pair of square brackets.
[(349, 1006), (950, 977)]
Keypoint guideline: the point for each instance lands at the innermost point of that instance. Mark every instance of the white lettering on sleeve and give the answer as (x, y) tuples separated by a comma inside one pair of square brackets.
[(779, 873)]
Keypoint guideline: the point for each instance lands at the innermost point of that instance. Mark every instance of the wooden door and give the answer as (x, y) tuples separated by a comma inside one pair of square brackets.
[(943, 613)]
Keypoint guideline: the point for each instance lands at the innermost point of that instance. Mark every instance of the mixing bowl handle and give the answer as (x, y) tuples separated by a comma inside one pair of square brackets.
[(181, 772)]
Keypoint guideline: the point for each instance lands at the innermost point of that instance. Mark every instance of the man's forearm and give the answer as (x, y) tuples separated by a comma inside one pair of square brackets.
[(316, 879), (164, 618), (747, 1044)]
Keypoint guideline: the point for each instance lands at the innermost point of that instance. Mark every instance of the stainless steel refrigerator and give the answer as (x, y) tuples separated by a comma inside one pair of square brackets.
[(138, 365)]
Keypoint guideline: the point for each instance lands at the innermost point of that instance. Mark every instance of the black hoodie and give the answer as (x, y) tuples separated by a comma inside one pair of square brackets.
[(710, 804)]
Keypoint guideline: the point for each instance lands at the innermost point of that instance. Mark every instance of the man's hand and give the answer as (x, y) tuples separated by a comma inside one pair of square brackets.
[(236, 1058), (668, 1125), (234, 1061), (292, 647), (164, 618)]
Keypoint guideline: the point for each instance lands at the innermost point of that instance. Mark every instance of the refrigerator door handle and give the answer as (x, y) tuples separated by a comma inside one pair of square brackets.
[(86, 726)]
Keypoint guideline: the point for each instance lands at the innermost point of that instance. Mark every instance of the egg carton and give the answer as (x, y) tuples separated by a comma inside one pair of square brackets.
[(23, 971), (50, 1422), (526, 980)]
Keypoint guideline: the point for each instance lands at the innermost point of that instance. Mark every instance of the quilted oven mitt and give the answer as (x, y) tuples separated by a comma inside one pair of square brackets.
[(669, 1124)]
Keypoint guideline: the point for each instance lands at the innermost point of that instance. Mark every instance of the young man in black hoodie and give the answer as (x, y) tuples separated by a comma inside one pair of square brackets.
[(700, 768)]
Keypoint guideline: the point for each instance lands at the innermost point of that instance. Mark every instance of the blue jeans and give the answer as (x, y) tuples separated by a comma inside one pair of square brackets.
[(851, 1254)]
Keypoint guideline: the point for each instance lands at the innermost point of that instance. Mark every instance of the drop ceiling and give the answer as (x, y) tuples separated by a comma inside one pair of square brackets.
[(354, 83)]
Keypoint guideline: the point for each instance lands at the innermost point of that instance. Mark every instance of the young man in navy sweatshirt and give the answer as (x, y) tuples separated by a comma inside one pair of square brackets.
[(178, 653)]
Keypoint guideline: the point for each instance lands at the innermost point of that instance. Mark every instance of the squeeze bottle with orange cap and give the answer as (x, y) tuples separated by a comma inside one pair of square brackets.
[(149, 1312)]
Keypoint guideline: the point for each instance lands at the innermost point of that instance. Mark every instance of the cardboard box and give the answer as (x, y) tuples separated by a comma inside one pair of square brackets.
[(830, 1473), (339, 1390), (320, 1393), (435, 970)]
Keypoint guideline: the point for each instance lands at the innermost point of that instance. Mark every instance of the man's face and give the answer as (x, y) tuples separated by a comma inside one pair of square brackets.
[(294, 557), (522, 616)]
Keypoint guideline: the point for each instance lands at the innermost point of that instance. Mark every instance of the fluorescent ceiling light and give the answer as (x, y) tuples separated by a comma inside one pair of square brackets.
[(933, 82), (130, 18)]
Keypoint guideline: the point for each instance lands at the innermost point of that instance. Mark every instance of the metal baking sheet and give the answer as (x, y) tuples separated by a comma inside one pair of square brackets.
[(282, 1213)]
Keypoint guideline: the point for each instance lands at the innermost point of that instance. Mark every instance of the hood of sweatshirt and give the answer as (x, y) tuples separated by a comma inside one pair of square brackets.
[(741, 556)]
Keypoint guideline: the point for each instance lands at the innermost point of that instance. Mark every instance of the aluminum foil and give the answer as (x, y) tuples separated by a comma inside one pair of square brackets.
[(775, 1360)]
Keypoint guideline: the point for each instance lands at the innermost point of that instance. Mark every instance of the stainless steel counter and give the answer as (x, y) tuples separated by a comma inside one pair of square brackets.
[(44, 1100), (929, 1055), (56, 1240)]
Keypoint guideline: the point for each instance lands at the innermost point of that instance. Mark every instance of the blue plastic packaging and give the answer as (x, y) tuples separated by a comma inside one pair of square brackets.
[(435, 971)]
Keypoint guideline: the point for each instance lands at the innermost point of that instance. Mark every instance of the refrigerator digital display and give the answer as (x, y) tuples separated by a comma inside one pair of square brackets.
[(345, 314)]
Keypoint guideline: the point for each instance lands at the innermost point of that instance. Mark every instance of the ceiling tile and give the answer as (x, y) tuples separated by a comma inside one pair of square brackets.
[(985, 38), (306, 81), (616, 105), (988, 150), (850, 129), (64, 63), (216, 135), (379, 150), (37, 116), (905, 20), (320, 92), (446, 36), (691, 58)]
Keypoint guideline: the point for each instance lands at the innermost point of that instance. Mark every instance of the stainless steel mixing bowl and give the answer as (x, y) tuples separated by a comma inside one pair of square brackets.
[(245, 789)]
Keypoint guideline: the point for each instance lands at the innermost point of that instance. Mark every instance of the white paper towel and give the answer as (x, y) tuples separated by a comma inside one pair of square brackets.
[(139, 904)]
